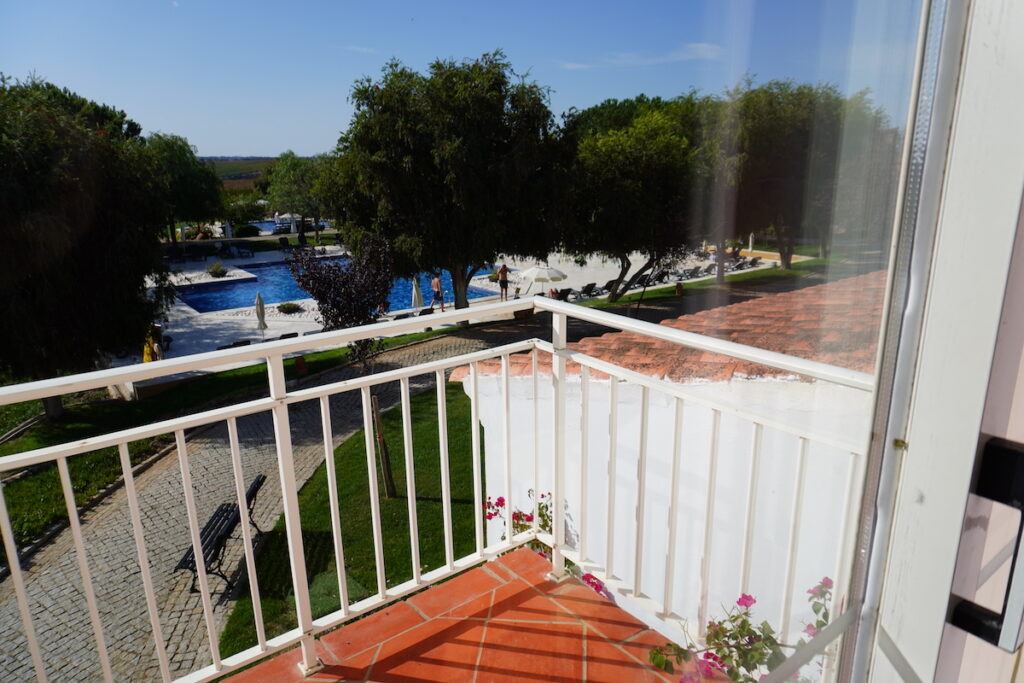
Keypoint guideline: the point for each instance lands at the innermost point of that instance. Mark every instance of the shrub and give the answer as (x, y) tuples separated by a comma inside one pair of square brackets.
[(289, 308), (246, 231), (217, 269)]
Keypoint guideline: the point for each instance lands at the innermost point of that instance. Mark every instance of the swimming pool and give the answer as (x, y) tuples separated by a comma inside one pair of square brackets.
[(275, 283)]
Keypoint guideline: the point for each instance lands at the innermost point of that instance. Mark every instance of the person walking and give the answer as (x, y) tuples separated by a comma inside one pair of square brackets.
[(503, 281), (435, 285)]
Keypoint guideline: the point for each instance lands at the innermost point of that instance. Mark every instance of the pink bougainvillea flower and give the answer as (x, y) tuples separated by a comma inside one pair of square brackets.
[(500, 502), (826, 582), (811, 630), (489, 515), (746, 601), (595, 583), (816, 591)]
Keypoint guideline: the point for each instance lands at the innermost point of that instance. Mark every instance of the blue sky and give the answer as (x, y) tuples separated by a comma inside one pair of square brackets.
[(253, 78)]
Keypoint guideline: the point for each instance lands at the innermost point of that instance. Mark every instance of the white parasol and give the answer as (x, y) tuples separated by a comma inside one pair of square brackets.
[(261, 315), (417, 295), (542, 274)]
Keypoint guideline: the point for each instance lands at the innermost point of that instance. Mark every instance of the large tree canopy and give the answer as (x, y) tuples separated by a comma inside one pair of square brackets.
[(189, 188), (454, 167), (632, 181), (81, 214)]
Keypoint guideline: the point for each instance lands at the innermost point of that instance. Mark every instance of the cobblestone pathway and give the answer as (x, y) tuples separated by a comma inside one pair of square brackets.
[(54, 586)]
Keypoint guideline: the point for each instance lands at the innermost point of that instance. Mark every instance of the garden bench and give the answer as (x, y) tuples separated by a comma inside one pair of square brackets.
[(215, 534)]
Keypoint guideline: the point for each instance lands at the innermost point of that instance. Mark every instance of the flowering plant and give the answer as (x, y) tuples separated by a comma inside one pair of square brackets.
[(737, 648), (820, 597), (521, 519)]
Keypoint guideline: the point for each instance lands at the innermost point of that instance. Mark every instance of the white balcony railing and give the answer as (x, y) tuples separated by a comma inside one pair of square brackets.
[(657, 612)]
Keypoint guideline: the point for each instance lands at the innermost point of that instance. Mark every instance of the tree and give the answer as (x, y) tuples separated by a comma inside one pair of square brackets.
[(241, 208), (453, 167), (291, 187), (82, 216), (631, 182), (190, 189), (348, 295)]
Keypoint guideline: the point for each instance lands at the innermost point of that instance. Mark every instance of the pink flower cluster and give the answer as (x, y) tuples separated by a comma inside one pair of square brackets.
[(595, 583), (493, 508), (824, 585), (746, 601), (522, 517), (711, 664)]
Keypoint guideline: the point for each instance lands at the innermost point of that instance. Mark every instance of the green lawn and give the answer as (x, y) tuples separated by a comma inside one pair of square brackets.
[(35, 502), (747, 277), (272, 566), (799, 249)]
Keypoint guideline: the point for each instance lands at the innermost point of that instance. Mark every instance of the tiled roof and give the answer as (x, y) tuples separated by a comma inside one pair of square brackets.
[(835, 323)]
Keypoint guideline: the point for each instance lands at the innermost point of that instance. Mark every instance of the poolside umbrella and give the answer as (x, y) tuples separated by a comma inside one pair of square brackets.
[(417, 295), (542, 274), (261, 315)]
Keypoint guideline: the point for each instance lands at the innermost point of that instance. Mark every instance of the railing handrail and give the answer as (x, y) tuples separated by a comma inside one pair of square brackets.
[(58, 386), (780, 361), (70, 384)]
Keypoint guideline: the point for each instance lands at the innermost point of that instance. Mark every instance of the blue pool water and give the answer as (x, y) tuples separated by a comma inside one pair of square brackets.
[(275, 282)]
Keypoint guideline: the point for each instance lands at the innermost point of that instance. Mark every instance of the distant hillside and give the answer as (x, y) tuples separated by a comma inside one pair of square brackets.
[(236, 168), (239, 173)]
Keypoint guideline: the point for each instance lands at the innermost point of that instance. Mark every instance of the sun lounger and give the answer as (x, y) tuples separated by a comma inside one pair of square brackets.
[(588, 290), (563, 294), (754, 262), (289, 335)]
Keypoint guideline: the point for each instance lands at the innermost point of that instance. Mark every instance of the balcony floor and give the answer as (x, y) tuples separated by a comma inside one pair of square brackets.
[(499, 622)]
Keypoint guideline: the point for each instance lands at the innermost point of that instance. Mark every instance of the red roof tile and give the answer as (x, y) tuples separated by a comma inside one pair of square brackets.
[(835, 323)]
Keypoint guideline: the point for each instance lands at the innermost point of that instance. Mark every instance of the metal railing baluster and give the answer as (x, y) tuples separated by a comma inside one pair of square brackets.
[(748, 527), (536, 441), (410, 480), (613, 437), (446, 482), (673, 508), (584, 446), (709, 519), (143, 557), (559, 331), (83, 567), (641, 492), (14, 565), (794, 540), (290, 503), (197, 547), (245, 521), (371, 470), (334, 502), (506, 424), (474, 422)]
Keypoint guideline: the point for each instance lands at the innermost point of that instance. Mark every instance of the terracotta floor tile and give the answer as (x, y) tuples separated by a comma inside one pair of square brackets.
[(282, 668), (597, 611), (363, 633), (641, 644), (520, 602), (439, 650), (531, 652), (608, 664), (526, 564), (463, 588)]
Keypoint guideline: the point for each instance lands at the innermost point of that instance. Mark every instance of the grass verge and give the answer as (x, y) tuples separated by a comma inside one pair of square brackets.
[(272, 567), (746, 277)]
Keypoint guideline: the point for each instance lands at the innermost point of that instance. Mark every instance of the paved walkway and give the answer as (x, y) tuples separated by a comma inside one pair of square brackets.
[(54, 586)]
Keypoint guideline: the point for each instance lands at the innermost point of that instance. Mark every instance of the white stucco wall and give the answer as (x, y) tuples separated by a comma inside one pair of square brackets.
[(821, 408)]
